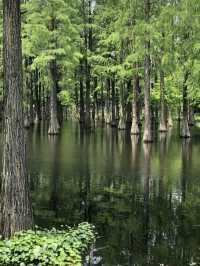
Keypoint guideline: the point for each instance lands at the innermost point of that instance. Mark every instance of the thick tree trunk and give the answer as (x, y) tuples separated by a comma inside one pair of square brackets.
[(163, 120), (16, 214), (54, 127), (135, 130), (147, 137), (185, 131)]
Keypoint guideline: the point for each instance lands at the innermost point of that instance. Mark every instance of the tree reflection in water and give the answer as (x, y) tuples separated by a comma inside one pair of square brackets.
[(143, 198)]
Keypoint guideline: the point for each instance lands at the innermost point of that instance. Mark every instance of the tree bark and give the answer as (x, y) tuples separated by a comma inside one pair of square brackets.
[(122, 111), (169, 118), (135, 130), (81, 96), (185, 131), (16, 214), (87, 102), (107, 107), (54, 127), (113, 122), (191, 119), (147, 137), (163, 120)]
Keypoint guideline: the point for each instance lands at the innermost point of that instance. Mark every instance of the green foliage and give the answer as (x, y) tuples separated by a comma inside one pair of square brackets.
[(65, 98), (48, 247)]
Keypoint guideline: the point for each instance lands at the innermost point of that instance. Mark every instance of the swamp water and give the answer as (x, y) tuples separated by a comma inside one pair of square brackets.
[(143, 199)]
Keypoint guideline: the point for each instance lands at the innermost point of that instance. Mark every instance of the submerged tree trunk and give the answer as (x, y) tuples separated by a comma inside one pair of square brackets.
[(147, 137), (185, 131), (54, 127), (163, 120), (16, 214)]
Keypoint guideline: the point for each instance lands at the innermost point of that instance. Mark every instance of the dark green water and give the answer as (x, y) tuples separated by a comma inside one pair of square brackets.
[(143, 199)]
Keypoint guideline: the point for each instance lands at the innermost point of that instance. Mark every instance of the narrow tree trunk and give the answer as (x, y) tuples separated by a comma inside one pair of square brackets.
[(129, 105), (135, 130), (37, 97), (113, 122), (95, 104), (31, 101), (169, 119), (191, 119), (147, 137), (43, 104), (122, 111), (54, 127), (185, 131), (102, 106), (81, 95), (16, 214), (87, 102), (107, 113), (163, 124), (27, 107)]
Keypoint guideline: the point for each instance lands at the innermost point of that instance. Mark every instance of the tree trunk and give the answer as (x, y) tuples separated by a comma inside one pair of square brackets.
[(185, 131), (163, 124), (122, 111), (129, 105), (31, 101), (37, 96), (54, 127), (113, 122), (169, 119), (147, 137), (81, 95), (88, 89), (107, 112), (191, 119), (16, 214), (135, 130), (102, 106)]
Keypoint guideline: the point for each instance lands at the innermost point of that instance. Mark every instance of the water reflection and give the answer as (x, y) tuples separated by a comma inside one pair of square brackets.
[(143, 198)]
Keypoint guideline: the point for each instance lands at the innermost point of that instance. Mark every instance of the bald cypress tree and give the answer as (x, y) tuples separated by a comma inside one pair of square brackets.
[(16, 212), (147, 137)]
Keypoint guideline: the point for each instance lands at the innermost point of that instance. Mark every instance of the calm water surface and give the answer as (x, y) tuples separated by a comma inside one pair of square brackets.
[(143, 199)]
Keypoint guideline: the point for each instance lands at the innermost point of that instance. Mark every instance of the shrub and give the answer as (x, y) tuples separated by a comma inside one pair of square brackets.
[(65, 247)]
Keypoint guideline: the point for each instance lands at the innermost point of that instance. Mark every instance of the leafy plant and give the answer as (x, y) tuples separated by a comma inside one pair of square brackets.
[(48, 247)]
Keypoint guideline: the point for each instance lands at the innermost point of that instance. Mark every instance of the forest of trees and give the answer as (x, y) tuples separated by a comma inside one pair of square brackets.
[(130, 64), (126, 63)]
